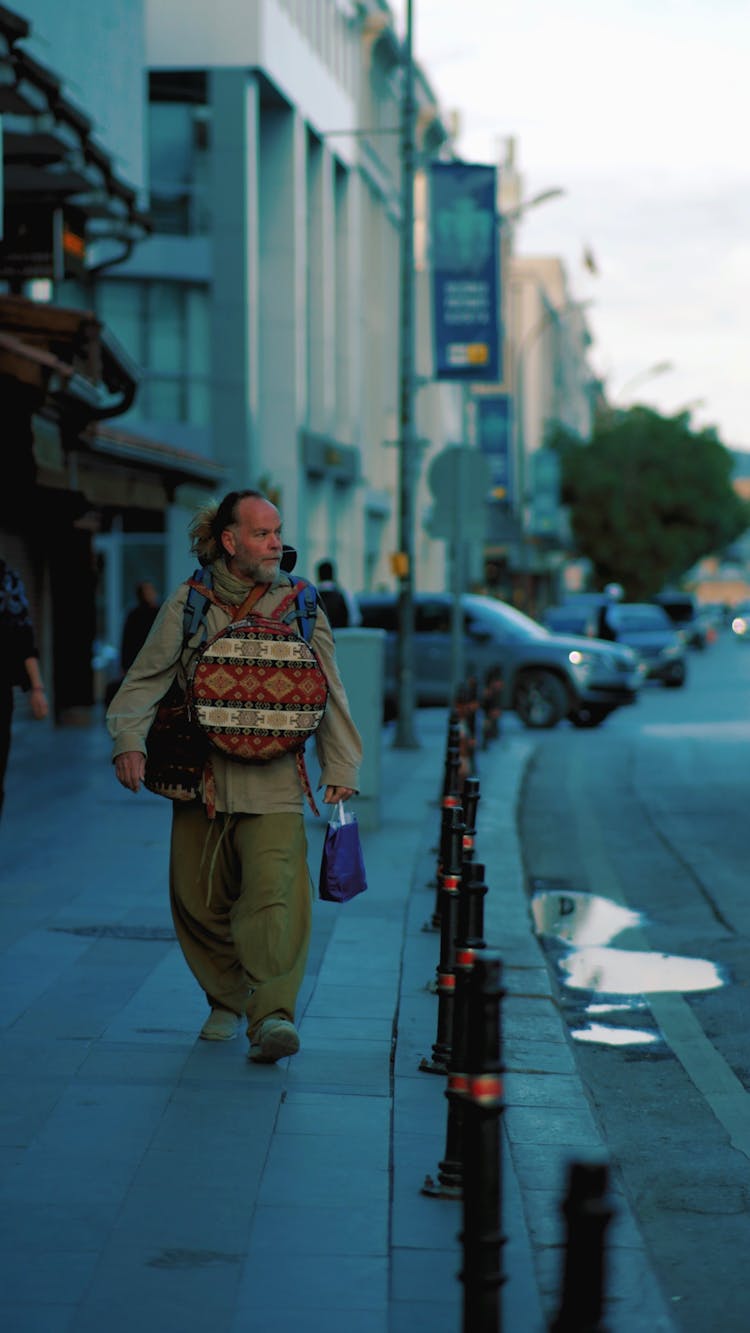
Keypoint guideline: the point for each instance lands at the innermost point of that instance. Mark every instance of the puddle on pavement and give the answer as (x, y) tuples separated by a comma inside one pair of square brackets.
[(581, 918), (604, 1035), (578, 928)]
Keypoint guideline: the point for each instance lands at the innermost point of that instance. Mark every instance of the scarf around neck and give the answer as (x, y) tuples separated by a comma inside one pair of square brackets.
[(228, 587)]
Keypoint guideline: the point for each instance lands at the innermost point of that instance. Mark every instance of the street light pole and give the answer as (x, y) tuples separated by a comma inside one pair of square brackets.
[(405, 736), (660, 368), (551, 314)]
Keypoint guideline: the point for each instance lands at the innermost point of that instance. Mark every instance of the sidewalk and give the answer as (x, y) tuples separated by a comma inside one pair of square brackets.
[(153, 1183)]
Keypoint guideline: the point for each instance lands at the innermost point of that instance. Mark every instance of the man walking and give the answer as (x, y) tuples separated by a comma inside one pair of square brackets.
[(239, 883), (340, 606)]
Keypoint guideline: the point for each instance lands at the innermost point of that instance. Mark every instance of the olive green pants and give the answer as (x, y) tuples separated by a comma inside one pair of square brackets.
[(242, 905)]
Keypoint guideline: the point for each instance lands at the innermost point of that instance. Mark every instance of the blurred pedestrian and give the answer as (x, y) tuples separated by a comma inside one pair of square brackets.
[(138, 623), (19, 660), (606, 628), (340, 606)]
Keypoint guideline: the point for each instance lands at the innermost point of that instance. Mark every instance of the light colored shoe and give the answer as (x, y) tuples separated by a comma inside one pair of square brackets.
[(273, 1039), (221, 1025)]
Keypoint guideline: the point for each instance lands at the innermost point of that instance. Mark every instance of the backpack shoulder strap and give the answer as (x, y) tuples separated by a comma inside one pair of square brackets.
[(307, 606), (300, 605), (197, 604)]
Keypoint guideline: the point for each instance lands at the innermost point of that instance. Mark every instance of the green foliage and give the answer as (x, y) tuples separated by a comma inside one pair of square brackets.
[(648, 497)]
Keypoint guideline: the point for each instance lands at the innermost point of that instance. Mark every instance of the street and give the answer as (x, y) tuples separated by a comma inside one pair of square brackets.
[(649, 814)]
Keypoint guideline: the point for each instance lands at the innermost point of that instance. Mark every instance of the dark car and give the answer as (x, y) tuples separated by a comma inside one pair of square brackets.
[(572, 618), (546, 677), (648, 630), (684, 612)]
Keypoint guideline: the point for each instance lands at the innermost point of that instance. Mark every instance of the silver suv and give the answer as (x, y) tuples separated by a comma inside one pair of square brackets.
[(546, 677)]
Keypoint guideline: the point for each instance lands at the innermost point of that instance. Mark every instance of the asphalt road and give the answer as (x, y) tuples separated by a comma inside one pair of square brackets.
[(636, 842)]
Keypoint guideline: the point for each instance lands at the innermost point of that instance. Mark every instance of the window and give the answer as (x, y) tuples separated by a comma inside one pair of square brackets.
[(165, 326), (179, 141)]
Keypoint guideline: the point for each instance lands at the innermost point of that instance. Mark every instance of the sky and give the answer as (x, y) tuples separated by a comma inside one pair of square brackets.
[(636, 109)]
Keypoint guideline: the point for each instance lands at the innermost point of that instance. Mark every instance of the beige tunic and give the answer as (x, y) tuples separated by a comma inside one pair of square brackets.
[(240, 788)]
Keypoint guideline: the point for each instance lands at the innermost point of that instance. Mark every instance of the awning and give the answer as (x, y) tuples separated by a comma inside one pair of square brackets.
[(54, 169), (177, 465), (66, 355)]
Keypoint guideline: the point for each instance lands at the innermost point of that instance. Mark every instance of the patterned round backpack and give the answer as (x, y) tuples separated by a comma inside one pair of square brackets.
[(257, 689)]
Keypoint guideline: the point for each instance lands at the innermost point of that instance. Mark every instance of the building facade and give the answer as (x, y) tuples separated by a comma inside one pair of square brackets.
[(72, 473)]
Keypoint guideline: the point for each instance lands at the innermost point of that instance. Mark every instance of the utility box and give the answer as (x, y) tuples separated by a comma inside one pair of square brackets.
[(360, 654)]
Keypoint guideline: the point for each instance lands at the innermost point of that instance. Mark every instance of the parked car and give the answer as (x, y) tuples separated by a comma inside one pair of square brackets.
[(546, 677), (684, 612), (572, 618), (646, 628), (741, 622)]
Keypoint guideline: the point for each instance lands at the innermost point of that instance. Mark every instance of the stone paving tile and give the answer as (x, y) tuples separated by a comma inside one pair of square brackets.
[(187, 1275), (46, 1278), (334, 1029), (360, 1068), (418, 1221), (39, 1319), (544, 1090), (318, 1229), (316, 1113), (351, 1002), (426, 1275), (542, 1057), (173, 1219), (351, 1283), (321, 1319), (573, 1127), (426, 1317), (325, 1169), (172, 1311)]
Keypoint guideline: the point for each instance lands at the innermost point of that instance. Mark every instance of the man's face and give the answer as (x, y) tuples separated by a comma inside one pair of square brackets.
[(253, 544)]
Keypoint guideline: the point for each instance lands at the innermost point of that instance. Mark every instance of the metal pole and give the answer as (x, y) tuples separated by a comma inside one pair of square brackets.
[(405, 737)]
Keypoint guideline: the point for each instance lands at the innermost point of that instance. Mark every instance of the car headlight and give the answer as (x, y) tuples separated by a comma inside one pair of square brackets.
[(581, 661), (672, 650), (739, 625)]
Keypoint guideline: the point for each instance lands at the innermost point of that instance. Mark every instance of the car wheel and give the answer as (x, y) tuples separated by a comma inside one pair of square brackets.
[(589, 717), (541, 699), (677, 679)]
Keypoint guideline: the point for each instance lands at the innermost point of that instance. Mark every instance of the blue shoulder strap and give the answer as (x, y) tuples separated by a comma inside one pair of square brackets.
[(305, 607), (196, 606)]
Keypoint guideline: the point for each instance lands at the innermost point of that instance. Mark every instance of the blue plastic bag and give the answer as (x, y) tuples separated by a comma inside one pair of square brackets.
[(342, 866)]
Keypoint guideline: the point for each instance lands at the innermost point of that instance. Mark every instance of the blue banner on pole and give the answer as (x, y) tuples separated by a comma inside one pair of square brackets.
[(494, 437), (465, 271)]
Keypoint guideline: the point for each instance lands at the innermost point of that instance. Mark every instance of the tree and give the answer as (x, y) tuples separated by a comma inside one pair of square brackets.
[(648, 497)]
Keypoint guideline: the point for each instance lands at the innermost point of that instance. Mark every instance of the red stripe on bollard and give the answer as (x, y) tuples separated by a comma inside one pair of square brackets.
[(486, 1089), (446, 981), (451, 883), (458, 1083), (465, 957)]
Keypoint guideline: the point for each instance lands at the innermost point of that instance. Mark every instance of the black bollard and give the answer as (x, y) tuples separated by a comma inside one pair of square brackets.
[(482, 1237), (449, 1183), (587, 1213), (451, 771), (446, 976), (448, 804), (469, 802)]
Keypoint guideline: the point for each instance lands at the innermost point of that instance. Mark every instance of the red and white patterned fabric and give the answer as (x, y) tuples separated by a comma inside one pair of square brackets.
[(257, 690)]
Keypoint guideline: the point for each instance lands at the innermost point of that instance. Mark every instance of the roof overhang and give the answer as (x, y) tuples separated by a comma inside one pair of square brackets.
[(68, 358), (53, 165)]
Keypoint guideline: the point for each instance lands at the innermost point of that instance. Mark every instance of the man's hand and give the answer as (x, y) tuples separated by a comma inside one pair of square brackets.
[(130, 768), (333, 795)]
